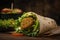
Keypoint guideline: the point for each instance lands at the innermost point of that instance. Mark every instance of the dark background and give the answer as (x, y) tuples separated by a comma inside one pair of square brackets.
[(48, 8), (5, 4)]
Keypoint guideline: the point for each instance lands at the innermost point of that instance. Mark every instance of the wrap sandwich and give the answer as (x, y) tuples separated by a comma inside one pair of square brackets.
[(32, 24), (29, 24)]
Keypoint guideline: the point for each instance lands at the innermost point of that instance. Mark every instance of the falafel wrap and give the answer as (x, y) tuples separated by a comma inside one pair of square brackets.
[(32, 24), (29, 24)]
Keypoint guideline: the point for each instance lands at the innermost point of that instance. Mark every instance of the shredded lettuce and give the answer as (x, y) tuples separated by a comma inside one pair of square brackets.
[(34, 29), (31, 31)]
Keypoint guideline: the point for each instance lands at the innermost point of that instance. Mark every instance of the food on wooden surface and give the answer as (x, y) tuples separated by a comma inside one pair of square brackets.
[(30, 24)]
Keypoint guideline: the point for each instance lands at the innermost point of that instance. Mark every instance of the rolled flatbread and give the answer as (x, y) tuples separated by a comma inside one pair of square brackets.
[(46, 24)]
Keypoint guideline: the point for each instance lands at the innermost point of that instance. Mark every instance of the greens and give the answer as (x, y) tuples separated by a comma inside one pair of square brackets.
[(31, 31), (16, 24)]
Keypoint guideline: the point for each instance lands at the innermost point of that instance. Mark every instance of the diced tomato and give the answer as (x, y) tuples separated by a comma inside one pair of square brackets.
[(17, 34), (6, 10)]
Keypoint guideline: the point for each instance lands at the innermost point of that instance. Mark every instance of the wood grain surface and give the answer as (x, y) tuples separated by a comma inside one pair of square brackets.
[(10, 37)]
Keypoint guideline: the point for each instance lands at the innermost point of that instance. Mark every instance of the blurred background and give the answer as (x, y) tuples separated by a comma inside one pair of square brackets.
[(47, 8)]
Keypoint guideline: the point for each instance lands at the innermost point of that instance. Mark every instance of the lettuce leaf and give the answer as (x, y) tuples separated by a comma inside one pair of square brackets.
[(34, 29)]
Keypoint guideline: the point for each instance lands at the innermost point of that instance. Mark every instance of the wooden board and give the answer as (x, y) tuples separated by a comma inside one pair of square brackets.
[(10, 37)]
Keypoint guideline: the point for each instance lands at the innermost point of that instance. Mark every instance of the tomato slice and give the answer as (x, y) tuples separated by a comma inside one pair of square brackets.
[(6, 10), (17, 34)]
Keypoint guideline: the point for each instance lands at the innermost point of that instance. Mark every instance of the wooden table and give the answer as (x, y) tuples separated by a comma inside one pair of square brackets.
[(10, 37)]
